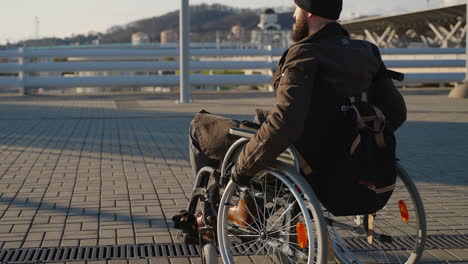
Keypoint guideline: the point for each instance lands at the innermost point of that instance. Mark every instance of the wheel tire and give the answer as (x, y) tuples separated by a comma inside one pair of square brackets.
[(421, 213), (210, 256), (405, 190)]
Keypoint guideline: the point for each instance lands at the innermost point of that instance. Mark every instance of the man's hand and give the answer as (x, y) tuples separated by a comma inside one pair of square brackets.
[(241, 180)]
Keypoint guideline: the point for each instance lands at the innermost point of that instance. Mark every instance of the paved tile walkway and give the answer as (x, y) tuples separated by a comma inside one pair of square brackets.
[(112, 170)]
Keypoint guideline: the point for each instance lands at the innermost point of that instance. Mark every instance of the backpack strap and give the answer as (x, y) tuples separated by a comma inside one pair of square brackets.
[(379, 123), (360, 122), (355, 144)]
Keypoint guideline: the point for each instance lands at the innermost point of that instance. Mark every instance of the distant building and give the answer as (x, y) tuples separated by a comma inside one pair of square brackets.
[(140, 38), (169, 36), (269, 31), (269, 20)]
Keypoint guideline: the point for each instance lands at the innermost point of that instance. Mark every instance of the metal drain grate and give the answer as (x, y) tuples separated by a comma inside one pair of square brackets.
[(42, 255), (405, 243)]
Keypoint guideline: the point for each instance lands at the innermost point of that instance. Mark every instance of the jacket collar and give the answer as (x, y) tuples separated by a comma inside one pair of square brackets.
[(330, 29)]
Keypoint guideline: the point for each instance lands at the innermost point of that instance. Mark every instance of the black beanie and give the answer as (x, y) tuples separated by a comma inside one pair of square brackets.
[(330, 9)]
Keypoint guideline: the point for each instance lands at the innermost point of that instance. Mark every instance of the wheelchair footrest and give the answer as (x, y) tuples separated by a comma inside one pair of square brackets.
[(187, 223)]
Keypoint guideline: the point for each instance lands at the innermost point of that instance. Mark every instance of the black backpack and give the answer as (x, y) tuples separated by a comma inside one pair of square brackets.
[(360, 173)]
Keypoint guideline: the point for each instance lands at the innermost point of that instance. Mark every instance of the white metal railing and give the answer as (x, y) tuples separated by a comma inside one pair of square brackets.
[(194, 65), (24, 63), (165, 80), (152, 52), (131, 66), (133, 52), (418, 51)]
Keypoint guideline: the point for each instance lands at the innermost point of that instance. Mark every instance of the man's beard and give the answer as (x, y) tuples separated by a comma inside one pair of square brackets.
[(300, 30)]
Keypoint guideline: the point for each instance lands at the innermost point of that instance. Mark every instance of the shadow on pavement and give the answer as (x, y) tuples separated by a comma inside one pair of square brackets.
[(435, 151), (431, 151), (85, 212)]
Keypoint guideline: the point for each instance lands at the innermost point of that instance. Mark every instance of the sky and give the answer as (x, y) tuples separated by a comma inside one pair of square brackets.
[(65, 17)]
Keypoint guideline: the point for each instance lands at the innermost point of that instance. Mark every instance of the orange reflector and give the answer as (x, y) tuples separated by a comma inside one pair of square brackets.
[(298, 189), (403, 211), (301, 235)]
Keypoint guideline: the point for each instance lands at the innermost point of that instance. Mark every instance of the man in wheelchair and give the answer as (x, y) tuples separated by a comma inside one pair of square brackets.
[(335, 104), (315, 80)]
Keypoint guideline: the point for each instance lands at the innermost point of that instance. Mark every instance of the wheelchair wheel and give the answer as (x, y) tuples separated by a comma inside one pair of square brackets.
[(283, 221), (399, 229)]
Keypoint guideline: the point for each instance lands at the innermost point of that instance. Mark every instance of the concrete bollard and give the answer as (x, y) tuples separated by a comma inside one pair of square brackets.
[(460, 91)]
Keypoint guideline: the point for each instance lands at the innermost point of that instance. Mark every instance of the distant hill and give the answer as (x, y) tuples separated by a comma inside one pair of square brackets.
[(205, 20)]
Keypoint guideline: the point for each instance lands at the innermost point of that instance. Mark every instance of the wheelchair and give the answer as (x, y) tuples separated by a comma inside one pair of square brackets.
[(287, 224)]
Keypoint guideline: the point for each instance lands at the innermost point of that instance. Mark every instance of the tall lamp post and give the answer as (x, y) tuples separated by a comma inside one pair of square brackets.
[(184, 50), (466, 45), (36, 19), (461, 90)]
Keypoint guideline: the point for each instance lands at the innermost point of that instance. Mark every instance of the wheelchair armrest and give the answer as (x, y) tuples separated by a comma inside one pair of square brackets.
[(289, 157), (240, 132)]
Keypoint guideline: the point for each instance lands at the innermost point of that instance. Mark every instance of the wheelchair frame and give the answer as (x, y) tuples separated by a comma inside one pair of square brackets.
[(288, 165)]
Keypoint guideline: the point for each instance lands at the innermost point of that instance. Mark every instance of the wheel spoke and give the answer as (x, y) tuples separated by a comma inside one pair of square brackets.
[(293, 247), (267, 253), (259, 250), (253, 218), (248, 210), (255, 242), (277, 193), (253, 228), (287, 255), (382, 253), (281, 216), (284, 234), (256, 207), (243, 235), (264, 202), (285, 225), (288, 242), (245, 243)]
